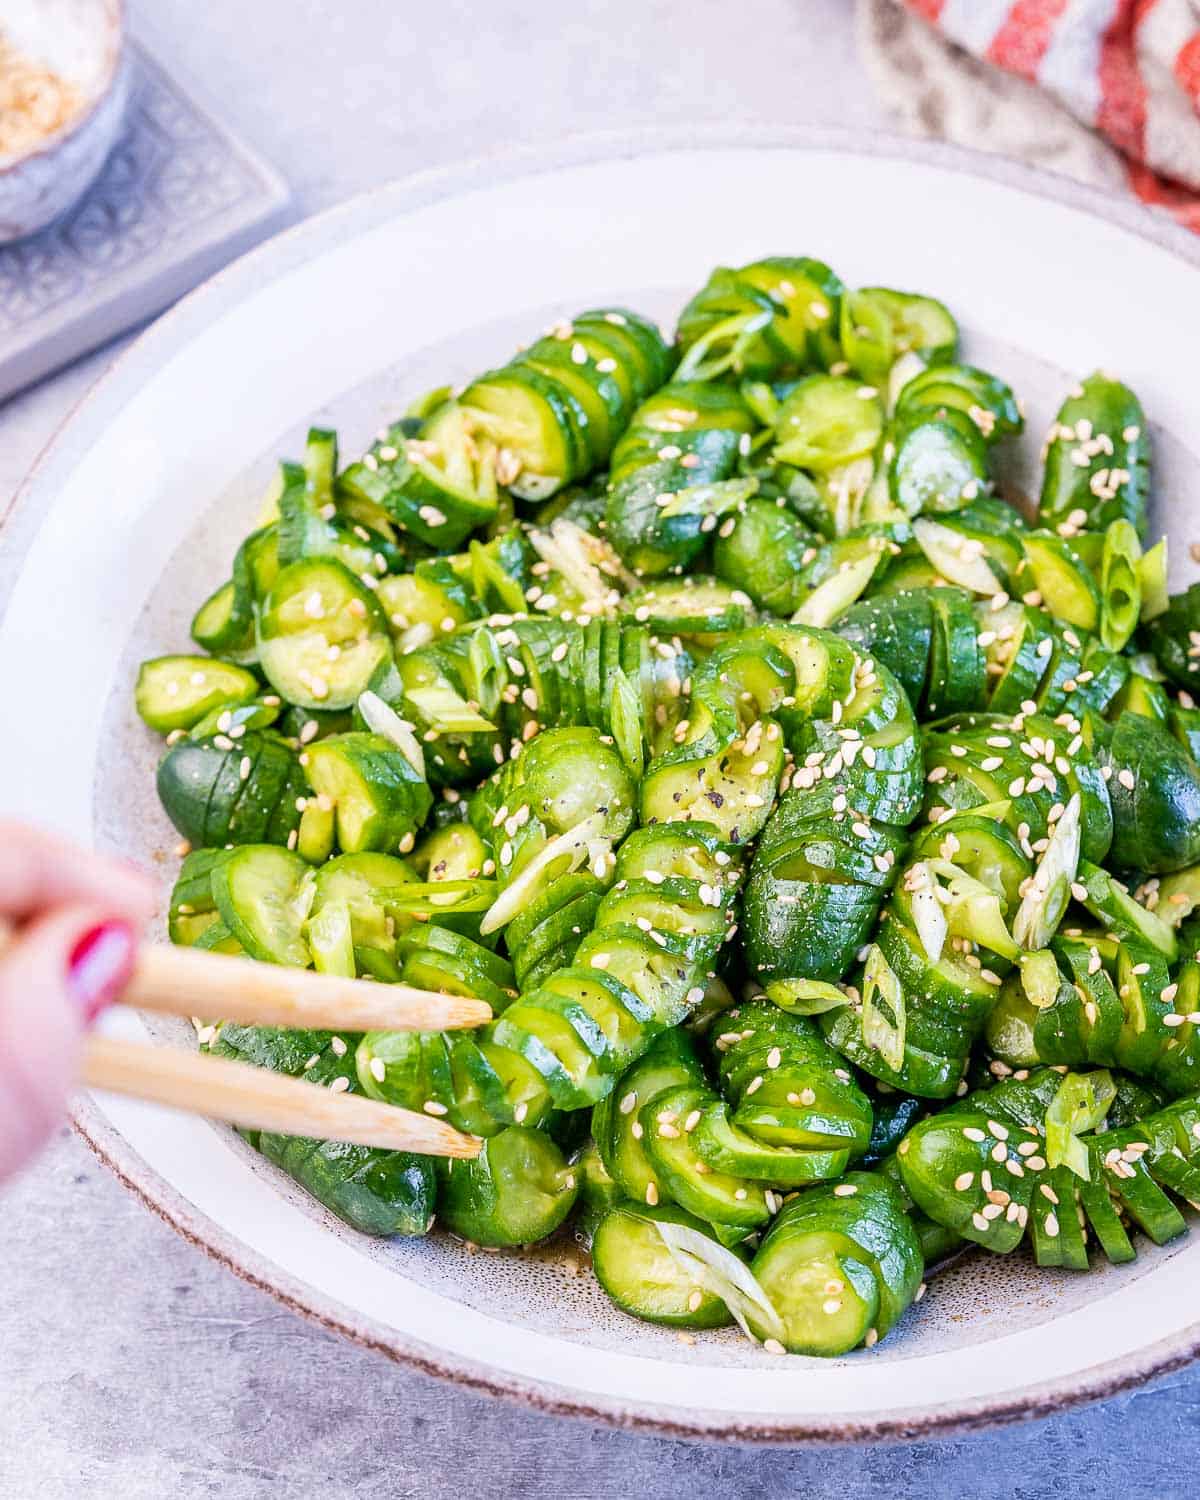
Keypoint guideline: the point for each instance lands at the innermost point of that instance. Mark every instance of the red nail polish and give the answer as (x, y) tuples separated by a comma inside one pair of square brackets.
[(99, 967)]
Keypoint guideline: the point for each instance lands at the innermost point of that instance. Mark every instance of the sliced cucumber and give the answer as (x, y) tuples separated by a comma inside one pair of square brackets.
[(176, 692), (321, 635), (264, 894), (377, 795), (518, 1190), (635, 1266)]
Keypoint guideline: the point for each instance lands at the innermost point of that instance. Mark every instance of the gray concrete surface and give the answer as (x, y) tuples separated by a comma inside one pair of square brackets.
[(131, 1367)]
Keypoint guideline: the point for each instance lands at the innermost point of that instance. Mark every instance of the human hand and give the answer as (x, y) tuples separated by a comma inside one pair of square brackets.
[(78, 916)]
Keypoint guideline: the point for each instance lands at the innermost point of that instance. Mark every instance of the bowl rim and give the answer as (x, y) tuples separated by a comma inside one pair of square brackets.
[(138, 364), (117, 52)]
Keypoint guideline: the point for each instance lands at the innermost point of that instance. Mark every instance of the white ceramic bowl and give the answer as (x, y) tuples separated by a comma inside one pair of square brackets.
[(82, 41), (141, 502)]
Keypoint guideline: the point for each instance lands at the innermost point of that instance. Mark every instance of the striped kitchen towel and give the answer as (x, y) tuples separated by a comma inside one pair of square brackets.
[(1129, 69)]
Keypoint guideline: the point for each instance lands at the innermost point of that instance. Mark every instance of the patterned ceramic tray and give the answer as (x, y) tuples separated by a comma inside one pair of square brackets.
[(178, 197)]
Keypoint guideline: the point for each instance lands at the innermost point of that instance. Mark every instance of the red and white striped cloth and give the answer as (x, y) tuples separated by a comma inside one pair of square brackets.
[(1127, 68)]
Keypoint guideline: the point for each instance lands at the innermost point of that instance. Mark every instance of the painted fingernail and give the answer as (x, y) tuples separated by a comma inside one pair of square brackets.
[(99, 967)]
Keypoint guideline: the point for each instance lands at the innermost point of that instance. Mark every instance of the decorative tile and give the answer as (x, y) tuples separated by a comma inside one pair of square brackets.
[(178, 197)]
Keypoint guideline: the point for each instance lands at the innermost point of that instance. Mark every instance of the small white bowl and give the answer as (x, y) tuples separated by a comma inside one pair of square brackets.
[(82, 41)]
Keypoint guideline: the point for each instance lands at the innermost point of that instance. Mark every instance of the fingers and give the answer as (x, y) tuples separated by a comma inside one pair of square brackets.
[(58, 974), (38, 870)]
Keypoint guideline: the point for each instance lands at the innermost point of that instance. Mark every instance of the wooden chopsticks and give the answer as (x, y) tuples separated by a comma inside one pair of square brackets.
[(190, 982), (258, 1099)]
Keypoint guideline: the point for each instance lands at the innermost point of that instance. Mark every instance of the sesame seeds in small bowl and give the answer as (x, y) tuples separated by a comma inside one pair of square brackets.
[(63, 88)]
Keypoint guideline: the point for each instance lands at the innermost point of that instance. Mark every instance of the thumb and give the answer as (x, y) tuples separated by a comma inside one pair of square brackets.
[(55, 979)]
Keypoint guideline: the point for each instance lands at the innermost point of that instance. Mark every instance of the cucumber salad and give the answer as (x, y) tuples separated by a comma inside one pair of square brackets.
[(821, 823)]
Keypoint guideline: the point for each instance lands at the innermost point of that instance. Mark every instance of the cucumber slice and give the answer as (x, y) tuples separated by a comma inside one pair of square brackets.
[(223, 791), (939, 464), (224, 623), (920, 325), (264, 895), (537, 422), (1067, 585), (176, 692), (822, 1288), (984, 398), (441, 959), (329, 936), (648, 358), (828, 421), (689, 606), (1104, 481), (718, 1197), (727, 1148), (669, 1061), (763, 555), (635, 1267), (439, 487), (376, 794), (321, 635), (595, 391), (518, 1190)]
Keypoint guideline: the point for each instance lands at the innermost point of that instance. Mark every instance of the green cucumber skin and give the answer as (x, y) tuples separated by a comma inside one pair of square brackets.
[(1156, 822), (377, 1192), (959, 1144), (205, 795), (797, 302), (619, 1257), (490, 1201), (870, 1212), (1169, 638), (813, 927), (1112, 410), (649, 539)]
